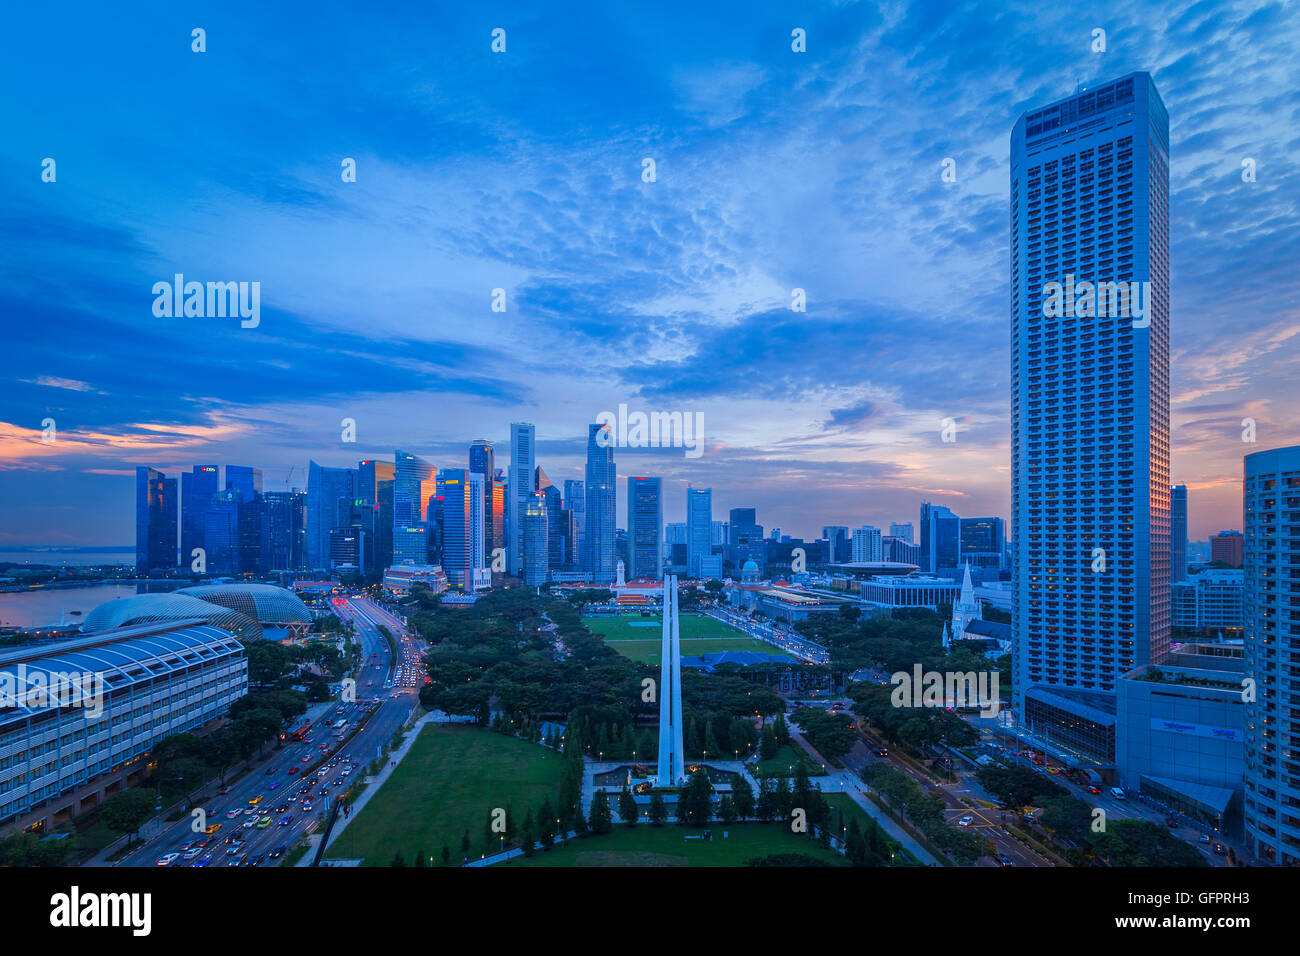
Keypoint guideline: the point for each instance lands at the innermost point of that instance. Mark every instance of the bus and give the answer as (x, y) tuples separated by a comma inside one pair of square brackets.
[(302, 732)]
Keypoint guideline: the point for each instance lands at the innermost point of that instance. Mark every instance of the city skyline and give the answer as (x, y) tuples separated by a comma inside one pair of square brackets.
[(702, 323)]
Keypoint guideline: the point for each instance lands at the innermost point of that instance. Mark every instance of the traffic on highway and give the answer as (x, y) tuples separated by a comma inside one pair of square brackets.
[(257, 819)]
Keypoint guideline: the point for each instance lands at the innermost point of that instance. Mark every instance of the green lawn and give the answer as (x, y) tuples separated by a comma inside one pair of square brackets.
[(645, 845), (629, 635), (448, 784), (791, 755)]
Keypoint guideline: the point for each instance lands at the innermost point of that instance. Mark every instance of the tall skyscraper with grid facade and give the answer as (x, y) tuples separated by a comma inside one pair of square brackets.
[(1090, 400)]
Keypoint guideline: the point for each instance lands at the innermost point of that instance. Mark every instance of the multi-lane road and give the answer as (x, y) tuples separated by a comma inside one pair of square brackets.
[(291, 794)]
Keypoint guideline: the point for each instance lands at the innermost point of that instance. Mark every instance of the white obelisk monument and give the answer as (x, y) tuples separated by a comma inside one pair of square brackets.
[(672, 756)]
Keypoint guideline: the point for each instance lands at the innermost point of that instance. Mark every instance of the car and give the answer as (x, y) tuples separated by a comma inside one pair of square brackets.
[(272, 785), (338, 781), (1092, 789), (233, 849), (255, 861), (287, 820), (212, 828), (882, 752), (263, 823), (346, 771), (223, 791), (250, 823), (1117, 793), (282, 808), (306, 758), (1205, 838), (1171, 823), (167, 859), (1220, 850), (203, 860), (231, 814), (255, 801), (294, 770), (306, 807), (277, 852), (192, 852), (966, 821), (1005, 861), (269, 771)]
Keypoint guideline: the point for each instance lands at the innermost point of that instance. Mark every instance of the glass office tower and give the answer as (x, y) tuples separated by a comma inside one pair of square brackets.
[(645, 528), (197, 490), (330, 493), (523, 462), (155, 520), (1090, 397), (461, 493), (699, 528), (414, 487), (602, 494)]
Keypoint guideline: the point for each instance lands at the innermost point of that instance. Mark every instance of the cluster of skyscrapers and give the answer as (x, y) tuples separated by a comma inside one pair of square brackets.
[(1099, 552)]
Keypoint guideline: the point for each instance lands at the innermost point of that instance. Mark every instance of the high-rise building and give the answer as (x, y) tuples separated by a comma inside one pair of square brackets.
[(645, 526), (483, 461), (867, 544), (494, 516), (414, 489), (602, 494), (901, 530), (575, 501), (675, 532), (197, 489), (1090, 403), (523, 459), (839, 543), (699, 528), (940, 538), (534, 528), (284, 530), (385, 477), (1178, 532), (1228, 547), (155, 520), (983, 542), (330, 492), (246, 483), (463, 532), (744, 538), (1271, 492)]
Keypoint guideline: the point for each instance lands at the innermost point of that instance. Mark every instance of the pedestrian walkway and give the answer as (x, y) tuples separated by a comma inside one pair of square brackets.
[(851, 785), (372, 788)]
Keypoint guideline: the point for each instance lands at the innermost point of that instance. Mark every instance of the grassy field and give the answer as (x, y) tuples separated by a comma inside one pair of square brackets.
[(447, 785), (791, 755), (645, 845), (633, 637)]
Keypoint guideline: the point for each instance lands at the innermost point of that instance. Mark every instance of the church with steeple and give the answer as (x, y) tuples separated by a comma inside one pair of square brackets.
[(965, 610)]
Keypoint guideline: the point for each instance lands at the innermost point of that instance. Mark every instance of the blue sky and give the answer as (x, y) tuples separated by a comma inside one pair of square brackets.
[(522, 171)]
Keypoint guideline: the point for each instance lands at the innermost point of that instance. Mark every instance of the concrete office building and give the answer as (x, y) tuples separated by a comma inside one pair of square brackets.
[(1271, 490), (1090, 402), (123, 691)]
